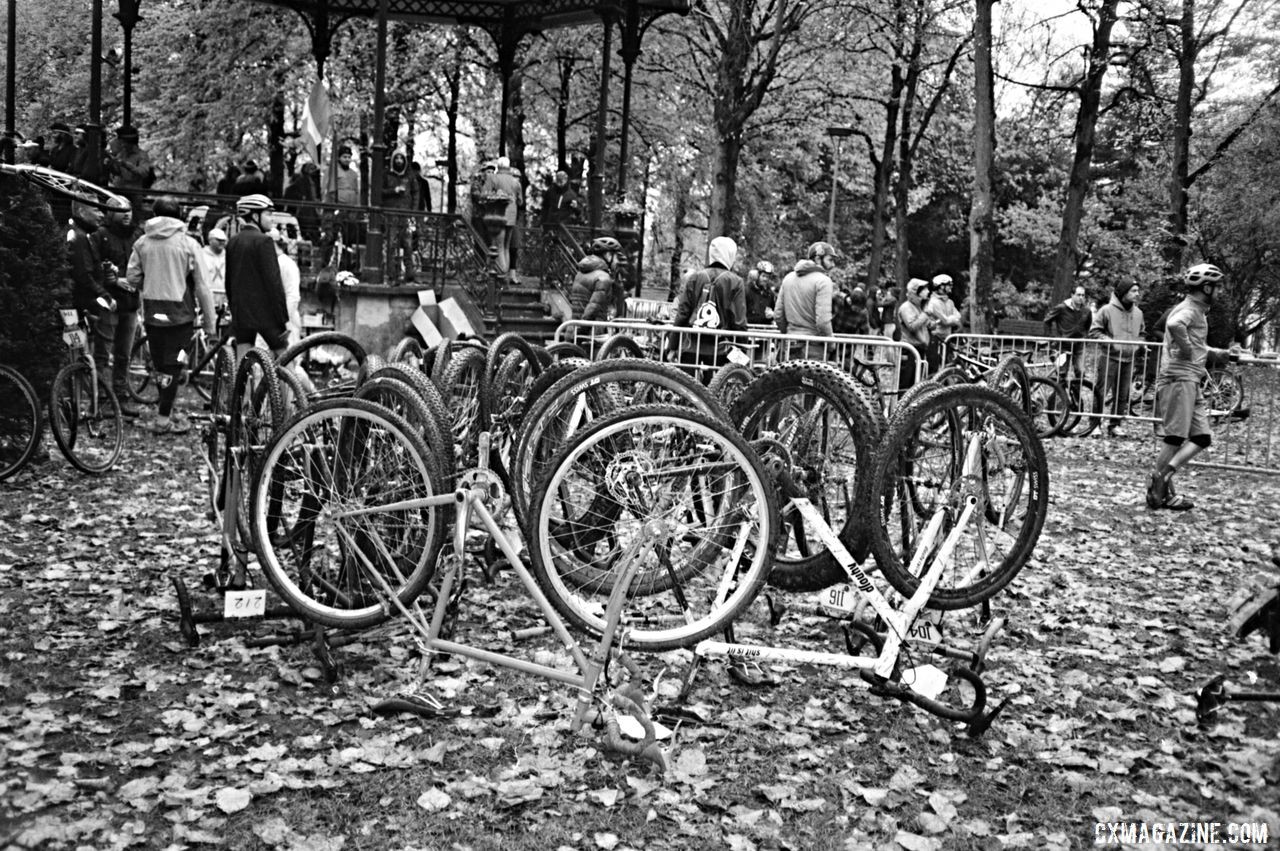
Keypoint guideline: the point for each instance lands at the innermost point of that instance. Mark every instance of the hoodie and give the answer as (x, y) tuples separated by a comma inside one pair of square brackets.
[(724, 288), (804, 301), (165, 268), (1116, 322), (591, 291)]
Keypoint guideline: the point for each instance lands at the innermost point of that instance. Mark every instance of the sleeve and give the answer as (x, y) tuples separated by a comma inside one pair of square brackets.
[(270, 267), (134, 272), (684, 301), (1101, 327), (737, 304), (780, 312), (911, 316), (953, 317), (598, 305), (1053, 318), (84, 278), (822, 310), (207, 311), (1179, 338)]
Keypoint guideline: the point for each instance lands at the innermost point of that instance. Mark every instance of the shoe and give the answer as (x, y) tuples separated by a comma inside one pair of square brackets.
[(167, 425), (1115, 431), (128, 410), (1157, 491), (1178, 503)]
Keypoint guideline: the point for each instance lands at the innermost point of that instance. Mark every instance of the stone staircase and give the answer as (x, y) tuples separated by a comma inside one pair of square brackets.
[(520, 309)]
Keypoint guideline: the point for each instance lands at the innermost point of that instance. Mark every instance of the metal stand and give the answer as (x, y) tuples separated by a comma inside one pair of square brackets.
[(1260, 613)]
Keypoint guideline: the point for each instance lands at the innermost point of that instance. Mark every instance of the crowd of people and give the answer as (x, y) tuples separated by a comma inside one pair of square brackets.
[(123, 165)]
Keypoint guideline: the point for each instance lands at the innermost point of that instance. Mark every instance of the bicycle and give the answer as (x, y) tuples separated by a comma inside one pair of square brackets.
[(199, 369), (84, 413), (21, 422)]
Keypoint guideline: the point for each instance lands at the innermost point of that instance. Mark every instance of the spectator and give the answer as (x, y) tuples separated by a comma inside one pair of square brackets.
[(227, 185), (560, 202), (215, 265), (31, 151), (251, 181), (804, 301), (129, 165), (849, 311), (303, 187), (713, 297), (1071, 320), (400, 192), (255, 292), (62, 156), (88, 283), (290, 282), (947, 320), (887, 307), (1180, 403), (424, 188), (114, 243), (503, 182), (593, 290), (1121, 322), (915, 327), (345, 188), (80, 165), (165, 267), (761, 293)]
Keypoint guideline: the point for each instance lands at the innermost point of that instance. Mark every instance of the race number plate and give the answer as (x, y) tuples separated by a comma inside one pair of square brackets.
[(70, 318), (838, 599), (927, 630), (75, 338), (245, 604)]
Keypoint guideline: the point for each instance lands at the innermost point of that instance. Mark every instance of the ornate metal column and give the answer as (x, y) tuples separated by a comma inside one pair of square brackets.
[(632, 33), (93, 136), (128, 16), (373, 259), (507, 40), (11, 78), (595, 185)]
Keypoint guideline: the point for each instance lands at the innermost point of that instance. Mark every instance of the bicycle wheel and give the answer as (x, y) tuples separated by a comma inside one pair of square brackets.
[(1010, 377), (729, 382), (821, 430), (495, 359), (430, 396), (20, 422), (216, 431), (619, 346), (256, 411), (1223, 391), (324, 466), (202, 367), (1081, 421), (922, 467), (68, 186), (461, 388), (140, 381), (85, 418), (407, 351), (510, 387), (400, 398), (1050, 406), (678, 491), (340, 352), (565, 350)]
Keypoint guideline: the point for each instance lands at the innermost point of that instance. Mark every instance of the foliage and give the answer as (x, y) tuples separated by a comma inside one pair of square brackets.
[(33, 282)]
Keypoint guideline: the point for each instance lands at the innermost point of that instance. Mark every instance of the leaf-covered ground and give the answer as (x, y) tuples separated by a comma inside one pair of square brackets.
[(114, 733)]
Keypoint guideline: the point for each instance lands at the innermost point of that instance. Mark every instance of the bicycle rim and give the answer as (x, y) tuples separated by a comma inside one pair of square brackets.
[(86, 421), (20, 422)]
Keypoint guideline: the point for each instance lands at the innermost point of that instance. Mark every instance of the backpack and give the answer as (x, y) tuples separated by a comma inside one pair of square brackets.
[(705, 313)]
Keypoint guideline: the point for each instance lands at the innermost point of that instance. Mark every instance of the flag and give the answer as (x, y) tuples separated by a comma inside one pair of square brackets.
[(315, 120)]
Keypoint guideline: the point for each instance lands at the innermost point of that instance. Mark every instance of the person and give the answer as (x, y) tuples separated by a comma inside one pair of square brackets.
[(114, 243), (503, 182), (1180, 402), (805, 296), (1121, 322), (712, 297), (255, 291), (915, 327), (761, 293), (345, 188), (947, 320), (887, 307), (290, 282), (424, 188), (1071, 320), (303, 188), (88, 283), (593, 291), (227, 184), (165, 267), (400, 192), (849, 310), (560, 202), (63, 154), (129, 165), (251, 180), (215, 265)]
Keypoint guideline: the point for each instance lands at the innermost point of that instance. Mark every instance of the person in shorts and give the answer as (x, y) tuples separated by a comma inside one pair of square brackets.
[(1180, 404), (255, 292)]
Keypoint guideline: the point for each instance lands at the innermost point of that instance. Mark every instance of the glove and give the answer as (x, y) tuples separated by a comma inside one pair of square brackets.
[(106, 302)]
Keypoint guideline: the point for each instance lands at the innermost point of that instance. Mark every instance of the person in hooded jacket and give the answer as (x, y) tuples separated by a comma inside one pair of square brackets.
[(761, 293), (915, 327), (165, 268), (712, 297), (400, 192), (114, 244), (1120, 321), (593, 290), (804, 304)]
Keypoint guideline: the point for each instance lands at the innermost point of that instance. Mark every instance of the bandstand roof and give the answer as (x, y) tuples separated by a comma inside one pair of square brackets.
[(528, 15)]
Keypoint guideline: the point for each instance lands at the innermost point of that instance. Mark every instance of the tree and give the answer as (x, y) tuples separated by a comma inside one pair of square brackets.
[(982, 211)]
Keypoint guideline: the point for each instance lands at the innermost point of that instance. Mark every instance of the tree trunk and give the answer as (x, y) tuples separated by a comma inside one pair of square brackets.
[(454, 77), (275, 146), (515, 124), (562, 113), (723, 220), (883, 177), (1085, 132), (982, 211), (902, 190), (677, 244), (1187, 53)]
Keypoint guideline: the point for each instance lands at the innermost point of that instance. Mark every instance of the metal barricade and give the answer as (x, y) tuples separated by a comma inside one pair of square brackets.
[(873, 360), (1247, 438), (1117, 376), (649, 309)]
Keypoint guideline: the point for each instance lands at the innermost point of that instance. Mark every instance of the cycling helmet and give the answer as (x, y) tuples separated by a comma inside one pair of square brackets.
[(819, 250), (118, 204), (764, 267), (605, 244), (1201, 274), (254, 204), (943, 280)]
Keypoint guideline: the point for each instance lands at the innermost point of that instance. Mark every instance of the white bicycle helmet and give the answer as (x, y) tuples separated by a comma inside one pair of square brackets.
[(1201, 274), (253, 204), (943, 280)]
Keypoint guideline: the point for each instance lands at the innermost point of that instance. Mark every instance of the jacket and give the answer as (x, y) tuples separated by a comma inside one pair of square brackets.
[(345, 188), (132, 168), (255, 292), (591, 291), (1114, 322), (503, 182), (804, 301), (87, 283), (1187, 353), (1063, 320), (913, 324), (400, 190), (727, 291), (943, 309), (116, 247), (165, 268)]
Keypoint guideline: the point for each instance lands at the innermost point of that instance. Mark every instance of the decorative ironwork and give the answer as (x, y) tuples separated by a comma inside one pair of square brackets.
[(534, 14)]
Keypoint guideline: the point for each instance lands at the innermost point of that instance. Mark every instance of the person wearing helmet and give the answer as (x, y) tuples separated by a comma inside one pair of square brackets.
[(804, 298), (761, 293), (165, 267), (1183, 429), (1119, 321), (593, 290), (255, 293), (915, 327), (942, 310), (713, 297), (114, 243)]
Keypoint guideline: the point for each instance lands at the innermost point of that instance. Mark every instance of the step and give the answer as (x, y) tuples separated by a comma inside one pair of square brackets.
[(534, 329)]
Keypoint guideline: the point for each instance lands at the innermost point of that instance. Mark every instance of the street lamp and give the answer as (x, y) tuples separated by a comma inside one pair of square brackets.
[(836, 134)]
